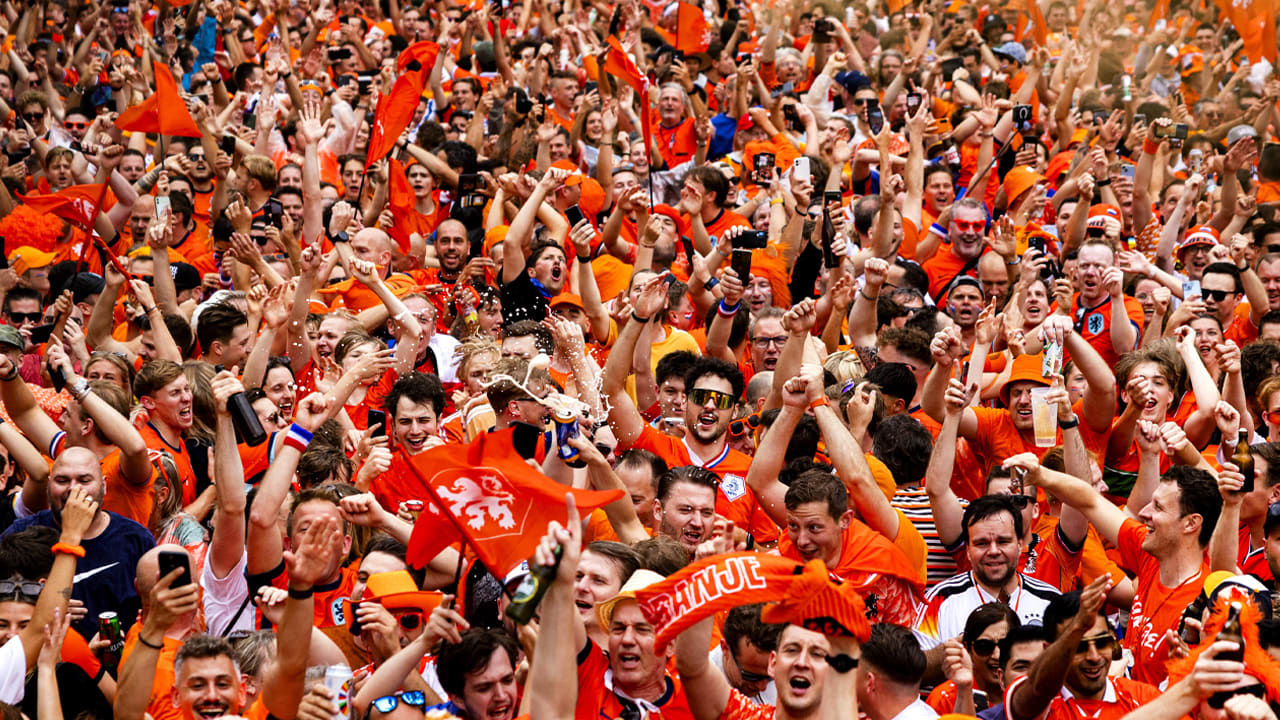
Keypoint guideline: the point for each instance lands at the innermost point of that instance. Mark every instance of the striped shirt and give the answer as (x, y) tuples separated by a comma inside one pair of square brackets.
[(940, 563)]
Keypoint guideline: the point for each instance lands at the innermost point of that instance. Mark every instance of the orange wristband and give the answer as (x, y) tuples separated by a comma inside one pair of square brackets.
[(819, 403), (76, 550), (1150, 147)]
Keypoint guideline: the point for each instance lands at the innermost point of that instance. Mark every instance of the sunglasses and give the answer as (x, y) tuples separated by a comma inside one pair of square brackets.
[(859, 102), (1104, 644), (700, 396), (983, 647), (969, 225), (746, 675), (75, 125), (410, 621), (21, 317), (10, 587), (1021, 501), (742, 426), (1215, 295), (33, 117), (195, 157), (387, 703)]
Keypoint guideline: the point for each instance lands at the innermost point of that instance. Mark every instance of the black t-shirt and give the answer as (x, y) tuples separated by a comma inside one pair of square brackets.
[(105, 575), (522, 300)]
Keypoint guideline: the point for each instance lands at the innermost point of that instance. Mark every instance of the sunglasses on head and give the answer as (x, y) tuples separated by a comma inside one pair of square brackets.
[(983, 647), (387, 703), (1021, 501), (11, 587), (700, 396), (1215, 295)]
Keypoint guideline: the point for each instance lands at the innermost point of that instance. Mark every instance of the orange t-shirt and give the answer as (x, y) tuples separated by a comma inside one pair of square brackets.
[(1121, 696), (722, 222), (676, 144), (1094, 324), (197, 250), (160, 706), (1156, 608), (123, 497), (944, 267)]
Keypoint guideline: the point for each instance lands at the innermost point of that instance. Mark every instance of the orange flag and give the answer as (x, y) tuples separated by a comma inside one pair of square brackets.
[(619, 64), (164, 112), (78, 204), (485, 495), (395, 110), (1158, 13), (692, 33), (1255, 20), (895, 6)]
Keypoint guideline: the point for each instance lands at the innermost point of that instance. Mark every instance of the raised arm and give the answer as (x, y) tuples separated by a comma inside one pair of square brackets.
[(1031, 696), (624, 418), (1077, 493), (948, 514), (704, 684), (227, 545)]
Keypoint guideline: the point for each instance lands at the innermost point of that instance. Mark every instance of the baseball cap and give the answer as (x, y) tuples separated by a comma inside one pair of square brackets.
[(1239, 133), (185, 276), (852, 81), (517, 575), (1012, 50), (10, 336), (1019, 180), (1099, 214), (84, 285), (396, 590), (1198, 235), (569, 299), (28, 258)]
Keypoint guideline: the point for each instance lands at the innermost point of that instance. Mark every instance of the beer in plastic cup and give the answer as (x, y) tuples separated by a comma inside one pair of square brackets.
[(1044, 417)]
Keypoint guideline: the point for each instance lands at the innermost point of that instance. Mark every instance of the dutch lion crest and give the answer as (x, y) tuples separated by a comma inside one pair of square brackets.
[(478, 498)]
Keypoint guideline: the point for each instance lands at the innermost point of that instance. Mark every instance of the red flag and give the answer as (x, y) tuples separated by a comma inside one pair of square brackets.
[(78, 204), (1255, 21), (646, 127), (1040, 28), (402, 202), (692, 33), (164, 112), (805, 595), (395, 110), (496, 503), (619, 64)]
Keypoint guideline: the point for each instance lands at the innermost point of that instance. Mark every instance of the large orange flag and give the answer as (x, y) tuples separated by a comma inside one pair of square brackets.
[(1039, 28), (395, 110), (164, 112), (485, 495)]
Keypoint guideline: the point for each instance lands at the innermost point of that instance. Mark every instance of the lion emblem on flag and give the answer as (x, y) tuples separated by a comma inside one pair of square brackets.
[(480, 500)]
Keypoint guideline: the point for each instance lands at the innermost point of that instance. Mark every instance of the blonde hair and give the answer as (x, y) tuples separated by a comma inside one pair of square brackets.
[(845, 365)]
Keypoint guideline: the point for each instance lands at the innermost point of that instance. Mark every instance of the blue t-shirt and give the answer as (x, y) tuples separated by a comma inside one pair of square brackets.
[(104, 576)]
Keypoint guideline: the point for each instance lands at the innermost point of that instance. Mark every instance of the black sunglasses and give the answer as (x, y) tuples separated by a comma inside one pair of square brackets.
[(746, 675), (1215, 295), (983, 647), (1021, 501), (21, 317)]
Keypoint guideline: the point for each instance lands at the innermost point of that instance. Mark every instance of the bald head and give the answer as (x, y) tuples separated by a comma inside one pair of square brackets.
[(373, 245), (75, 467)]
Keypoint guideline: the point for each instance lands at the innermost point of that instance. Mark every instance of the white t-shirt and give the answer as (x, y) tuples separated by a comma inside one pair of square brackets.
[(224, 597), (13, 671)]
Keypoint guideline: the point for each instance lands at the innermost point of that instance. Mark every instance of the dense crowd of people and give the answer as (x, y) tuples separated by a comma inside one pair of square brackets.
[(904, 359)]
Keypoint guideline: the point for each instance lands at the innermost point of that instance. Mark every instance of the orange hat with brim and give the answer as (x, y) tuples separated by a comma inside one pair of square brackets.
[(1019, 180), (567, 299), (493, 236), (1198, 235), (575, 174), (28, 258), (1026, 368)]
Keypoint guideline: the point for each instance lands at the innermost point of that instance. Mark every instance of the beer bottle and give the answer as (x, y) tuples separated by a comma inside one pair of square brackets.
[(524, 603), (1232, 632), (1243, 459)]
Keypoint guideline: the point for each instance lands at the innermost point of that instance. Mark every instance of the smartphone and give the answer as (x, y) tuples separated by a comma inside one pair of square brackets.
[(338, 54), (378, 421), (57, 377), (524, 103), (950, 66), (1190, 289), (751, 240), (832, 197), (249, 120), (227, 144), (1022, 116), (791, 116), (913, 101), (1180, 131), (875, 117), (171, 560), (668, 278), (574, 214), (800, 169), (762, 164), (273, 211), (821, 30), (1139, 118), (40, 333), (741, 263), (1129, 170), (162, 205)]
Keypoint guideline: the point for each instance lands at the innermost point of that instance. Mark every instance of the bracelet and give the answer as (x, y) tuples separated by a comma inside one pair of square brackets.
[(1068, 424), (148, 643), (297, 594), (712, 283), (1015, 262), (67, 549), (80, 389), (637, 318), (776, 201), (863, 293), (297, 438), (726, 311), (11, 376), (148, 310), (1101, 183), (819, 403)]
